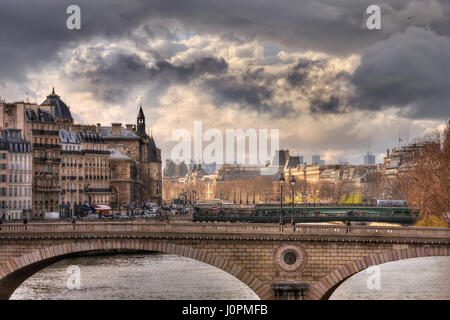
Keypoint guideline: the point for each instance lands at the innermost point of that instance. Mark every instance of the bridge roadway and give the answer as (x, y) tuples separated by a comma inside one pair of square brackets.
[(276, 262)]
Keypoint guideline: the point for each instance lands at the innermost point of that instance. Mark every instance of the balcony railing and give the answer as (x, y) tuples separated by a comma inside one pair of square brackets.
[(45, 132), (55, 160), (99, 190), (96, 152), (46, 145)]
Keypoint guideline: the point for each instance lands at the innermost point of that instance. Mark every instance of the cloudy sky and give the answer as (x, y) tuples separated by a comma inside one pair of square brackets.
[(309, 68)]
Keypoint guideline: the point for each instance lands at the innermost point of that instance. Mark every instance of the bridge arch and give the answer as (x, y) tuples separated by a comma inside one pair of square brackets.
[(324, 288), (15, 271)]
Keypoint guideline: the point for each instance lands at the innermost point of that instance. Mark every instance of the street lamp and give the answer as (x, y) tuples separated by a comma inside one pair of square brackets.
[(281, 181), (292, 183), (61, 194)]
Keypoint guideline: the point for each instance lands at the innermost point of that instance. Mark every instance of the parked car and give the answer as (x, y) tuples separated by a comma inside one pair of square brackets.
[(123, 215), (91, 216)]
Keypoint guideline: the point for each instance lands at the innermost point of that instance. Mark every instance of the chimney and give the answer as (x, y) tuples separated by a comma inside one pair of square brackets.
[(129, 127), (116, 129), (97, 128)]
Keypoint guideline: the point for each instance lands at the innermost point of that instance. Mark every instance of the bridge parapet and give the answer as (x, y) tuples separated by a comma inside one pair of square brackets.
[(226, 228)]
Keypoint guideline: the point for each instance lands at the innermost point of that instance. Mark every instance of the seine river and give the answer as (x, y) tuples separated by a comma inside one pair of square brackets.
[(163, 276)]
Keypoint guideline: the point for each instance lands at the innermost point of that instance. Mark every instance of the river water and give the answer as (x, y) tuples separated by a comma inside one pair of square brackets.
[(163, 276)]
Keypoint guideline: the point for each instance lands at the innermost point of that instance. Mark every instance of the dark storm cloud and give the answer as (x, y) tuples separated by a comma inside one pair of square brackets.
[(300, 73), (409, 71), (248, 95), (32, 33), (111, 78), (337, 27), (319, 84), (330, 106)]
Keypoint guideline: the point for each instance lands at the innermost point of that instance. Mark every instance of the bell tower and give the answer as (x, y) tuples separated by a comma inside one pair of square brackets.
[(141, 123)]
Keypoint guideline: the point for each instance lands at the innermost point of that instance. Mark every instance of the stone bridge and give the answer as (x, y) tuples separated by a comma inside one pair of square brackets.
[(276, 262)]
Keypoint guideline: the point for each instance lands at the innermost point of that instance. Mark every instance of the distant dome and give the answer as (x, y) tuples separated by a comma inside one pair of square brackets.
[(61, 109)]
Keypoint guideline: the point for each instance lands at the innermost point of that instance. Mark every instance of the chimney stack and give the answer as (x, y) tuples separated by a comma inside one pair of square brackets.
[(116, 129)]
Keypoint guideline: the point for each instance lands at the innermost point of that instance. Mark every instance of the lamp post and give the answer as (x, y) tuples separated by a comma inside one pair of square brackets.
[(61, 194), (281, 181), (304, 200), (292, 183), (184, 196)]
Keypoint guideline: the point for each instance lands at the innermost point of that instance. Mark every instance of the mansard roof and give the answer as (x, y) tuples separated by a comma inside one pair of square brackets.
[(61, 109), (13, 142), (66, 136), (40, 116), (107, 133), (90, 136)]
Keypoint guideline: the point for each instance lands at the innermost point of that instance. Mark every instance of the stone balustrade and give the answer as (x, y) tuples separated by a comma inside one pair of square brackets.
[(226, 228)]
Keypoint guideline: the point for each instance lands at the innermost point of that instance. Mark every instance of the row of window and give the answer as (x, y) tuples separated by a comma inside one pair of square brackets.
[(52, 141), (19, 191), (49, 127), (19, 178), (71, 147), (20, 204)]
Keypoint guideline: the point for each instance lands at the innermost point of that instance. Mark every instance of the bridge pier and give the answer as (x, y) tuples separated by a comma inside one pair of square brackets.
[(290, 290)]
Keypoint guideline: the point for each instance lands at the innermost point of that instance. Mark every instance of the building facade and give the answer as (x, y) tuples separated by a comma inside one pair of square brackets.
[(72, 165), (399, 160), (20, 175), (96, 169), (3, 179), (72, 178), (46, 161), (146, 169), (123, 179)]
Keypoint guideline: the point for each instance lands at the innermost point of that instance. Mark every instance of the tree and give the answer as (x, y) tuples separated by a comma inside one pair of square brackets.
[(429, 178)]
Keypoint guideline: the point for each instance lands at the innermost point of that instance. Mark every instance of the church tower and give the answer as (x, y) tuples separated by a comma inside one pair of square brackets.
[(141, 123)]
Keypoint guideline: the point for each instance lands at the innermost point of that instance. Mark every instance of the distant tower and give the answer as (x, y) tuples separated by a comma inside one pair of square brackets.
[(369, 158), (141, 123)]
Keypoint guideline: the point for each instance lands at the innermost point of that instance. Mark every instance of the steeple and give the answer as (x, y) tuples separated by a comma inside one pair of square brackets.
[(141, 123)]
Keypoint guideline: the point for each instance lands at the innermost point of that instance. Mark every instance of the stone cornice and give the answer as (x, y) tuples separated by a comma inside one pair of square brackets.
[(222, 237)]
